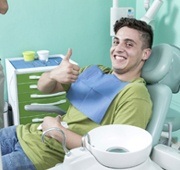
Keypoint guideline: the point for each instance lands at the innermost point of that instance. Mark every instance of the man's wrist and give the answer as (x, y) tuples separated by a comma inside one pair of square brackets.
[(55, 133)]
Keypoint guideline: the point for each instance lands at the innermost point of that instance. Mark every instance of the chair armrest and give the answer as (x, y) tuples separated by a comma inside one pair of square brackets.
[(166, 157), (45, 108)]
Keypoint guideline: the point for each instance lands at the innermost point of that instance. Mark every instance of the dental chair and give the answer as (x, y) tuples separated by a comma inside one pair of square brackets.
[(167, 68), (165, 60), (160, 72), (172, 123)]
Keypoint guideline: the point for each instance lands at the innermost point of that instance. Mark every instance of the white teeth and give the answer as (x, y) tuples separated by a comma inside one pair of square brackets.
[(119, 58)]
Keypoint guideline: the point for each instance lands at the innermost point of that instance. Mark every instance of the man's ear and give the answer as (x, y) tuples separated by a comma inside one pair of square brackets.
[(146, 53)]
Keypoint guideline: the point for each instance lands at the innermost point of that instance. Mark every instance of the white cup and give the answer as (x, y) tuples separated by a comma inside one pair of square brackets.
[(43, 55)]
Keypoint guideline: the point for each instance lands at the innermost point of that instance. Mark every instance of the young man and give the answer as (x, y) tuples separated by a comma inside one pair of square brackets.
[(3, 6), (98, 95)]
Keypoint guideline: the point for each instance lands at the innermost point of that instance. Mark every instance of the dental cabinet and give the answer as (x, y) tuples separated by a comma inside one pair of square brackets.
[(22, 89)]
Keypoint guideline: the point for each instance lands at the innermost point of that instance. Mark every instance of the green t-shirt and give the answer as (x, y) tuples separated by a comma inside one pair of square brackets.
[(132, 105)]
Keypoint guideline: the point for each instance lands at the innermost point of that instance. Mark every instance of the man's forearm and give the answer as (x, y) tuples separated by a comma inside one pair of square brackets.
[(48, 85), (72, 139)]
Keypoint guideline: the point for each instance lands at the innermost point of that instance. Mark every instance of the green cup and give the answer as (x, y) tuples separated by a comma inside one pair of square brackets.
[(28, 55)]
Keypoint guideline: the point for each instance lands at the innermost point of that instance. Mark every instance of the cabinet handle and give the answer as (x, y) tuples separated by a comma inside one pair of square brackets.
[(55, 103), (33, 86), (34, 77), (35, 120), (47, 95)]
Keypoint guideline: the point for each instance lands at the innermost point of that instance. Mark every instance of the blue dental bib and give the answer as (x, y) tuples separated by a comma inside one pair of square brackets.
[(93, 92)]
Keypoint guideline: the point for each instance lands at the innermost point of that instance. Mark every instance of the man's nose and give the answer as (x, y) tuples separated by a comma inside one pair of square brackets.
[(120, 47)]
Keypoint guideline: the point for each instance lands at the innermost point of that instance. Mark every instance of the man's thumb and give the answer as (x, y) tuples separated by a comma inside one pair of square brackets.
[(68, 54)]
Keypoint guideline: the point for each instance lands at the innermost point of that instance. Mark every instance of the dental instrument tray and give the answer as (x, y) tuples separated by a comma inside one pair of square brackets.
[(21, 64)]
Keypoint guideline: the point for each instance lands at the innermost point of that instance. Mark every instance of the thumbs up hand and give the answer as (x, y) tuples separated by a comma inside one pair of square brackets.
[(66, 72)]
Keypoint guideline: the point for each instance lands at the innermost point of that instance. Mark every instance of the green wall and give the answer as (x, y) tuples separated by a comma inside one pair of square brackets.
[(57, 25)]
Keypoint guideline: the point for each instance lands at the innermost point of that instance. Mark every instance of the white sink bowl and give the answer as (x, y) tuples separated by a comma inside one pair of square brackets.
[(119, 146)]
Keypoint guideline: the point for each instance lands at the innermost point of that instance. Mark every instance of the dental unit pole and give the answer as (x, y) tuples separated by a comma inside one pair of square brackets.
[(116, 13), (115, 4)]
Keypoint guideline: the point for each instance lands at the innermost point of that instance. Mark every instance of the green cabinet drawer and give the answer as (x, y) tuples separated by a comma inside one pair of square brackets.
[(29, 94), (29, 119), (27, 82), (27, 78), (27, 88), (41, 98)]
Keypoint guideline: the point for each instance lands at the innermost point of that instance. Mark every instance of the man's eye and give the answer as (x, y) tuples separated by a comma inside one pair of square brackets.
[(129, 44), (115, 42)]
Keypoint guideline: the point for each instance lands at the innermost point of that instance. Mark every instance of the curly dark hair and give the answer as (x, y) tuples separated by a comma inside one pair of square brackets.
[(141, 26)]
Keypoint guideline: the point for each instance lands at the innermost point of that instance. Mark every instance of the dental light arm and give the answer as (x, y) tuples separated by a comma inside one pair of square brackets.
[(152, 11)]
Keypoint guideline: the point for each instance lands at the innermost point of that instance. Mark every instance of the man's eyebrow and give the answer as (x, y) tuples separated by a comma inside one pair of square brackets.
[(130, 40), (115, 37), (126, 39)]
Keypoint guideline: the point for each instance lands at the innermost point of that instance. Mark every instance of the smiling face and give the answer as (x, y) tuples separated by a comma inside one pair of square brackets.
[(127, 54)]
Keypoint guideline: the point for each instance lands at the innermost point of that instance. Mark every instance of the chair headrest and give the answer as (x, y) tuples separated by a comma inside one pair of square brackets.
[(163, 66)]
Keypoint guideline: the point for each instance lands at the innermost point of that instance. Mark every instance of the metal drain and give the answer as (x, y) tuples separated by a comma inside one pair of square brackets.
[(117, 149)]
